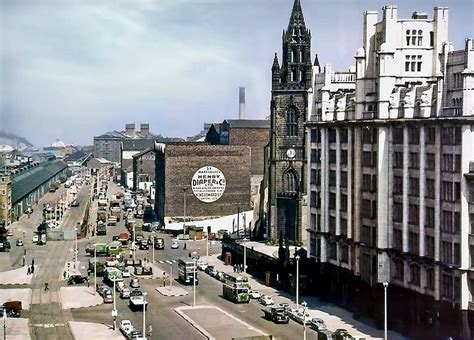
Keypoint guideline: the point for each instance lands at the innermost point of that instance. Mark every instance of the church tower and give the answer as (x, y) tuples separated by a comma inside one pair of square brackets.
[(289, 105)]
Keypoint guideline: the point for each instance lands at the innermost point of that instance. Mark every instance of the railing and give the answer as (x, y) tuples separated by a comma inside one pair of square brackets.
[(343, 77), (369, 115), (451, 111)]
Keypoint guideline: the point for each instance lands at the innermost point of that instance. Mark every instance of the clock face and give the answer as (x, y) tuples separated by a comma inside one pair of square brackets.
[(291, 153)]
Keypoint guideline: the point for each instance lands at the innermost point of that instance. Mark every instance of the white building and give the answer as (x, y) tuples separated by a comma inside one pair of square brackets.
[(389, 151)]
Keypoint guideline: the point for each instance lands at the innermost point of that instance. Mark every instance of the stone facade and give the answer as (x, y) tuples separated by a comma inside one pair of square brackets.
[(108, 145), (176, 163), (144, 169), (5, 199), (287, 155)]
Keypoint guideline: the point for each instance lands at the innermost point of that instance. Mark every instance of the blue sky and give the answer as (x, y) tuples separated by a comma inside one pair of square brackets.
[(74, 69)]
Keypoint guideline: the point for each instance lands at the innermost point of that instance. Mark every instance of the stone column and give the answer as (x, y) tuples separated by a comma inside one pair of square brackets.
[(405, 188), (422, 175)]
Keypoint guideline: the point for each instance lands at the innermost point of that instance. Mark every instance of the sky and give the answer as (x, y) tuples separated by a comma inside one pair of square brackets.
[(73, 69)]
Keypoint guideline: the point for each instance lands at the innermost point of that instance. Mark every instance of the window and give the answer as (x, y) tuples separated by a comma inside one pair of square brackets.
[(331, 135), (413, 63), (398, 160), (315, 136), (413, 243), (429, 246), (291, 121), (430, 188), (316, 156), (450, 191), (397, 185), (343, 156), (415, 275), (398, 270), (343, 227), (313, 221), (414, 186), (430, 278), (451, 135), (343, 183), (397, 134), (333, 250), (414, 160), (398, 239), (315, 177), (332, 178), (332, 156), (447, 286), (430, 135), (430, 161), (413, 214), (290, 181), (343, 135), (429, 217), (457, 254), (413, 135), (431, 38), (343, 203), (397, 212), (446, 252), (344, 253), (332, 201), (369, 183)]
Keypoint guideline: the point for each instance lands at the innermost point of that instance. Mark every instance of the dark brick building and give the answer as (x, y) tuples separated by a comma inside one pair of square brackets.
[(177, 163), (287, 156), (144, 169)]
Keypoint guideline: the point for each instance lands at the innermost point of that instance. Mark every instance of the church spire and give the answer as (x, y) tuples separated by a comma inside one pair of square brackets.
[(296, 25)]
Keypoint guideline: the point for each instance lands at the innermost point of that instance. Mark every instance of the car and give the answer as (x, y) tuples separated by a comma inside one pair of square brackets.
[(108, 298), (9, 232), (100, 287), (220, 276), (341, 333), (75, 203), (139, 239), (125, 293), (318, 324), (143, 245), (159, 243), (209, 269), (126, 327), (76, 279), (125, 272), (146, 226), (266, 300), (136, 335), (174, 244), (19, 242), (35, 238), (134, 283), (299, 316), (150, 241), (119, 286), (202, 266), (6, 245), (155, 226), (214, 272), (254, 294)]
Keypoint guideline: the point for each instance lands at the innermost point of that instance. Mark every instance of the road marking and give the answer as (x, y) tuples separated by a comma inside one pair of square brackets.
[(161, 261), (169, 262), (48, 325), (174, 261)]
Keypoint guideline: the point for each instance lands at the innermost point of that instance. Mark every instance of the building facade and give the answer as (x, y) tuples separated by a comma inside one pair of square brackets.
[(389, 148), (107, 146), (286, 164), (5, 199), (144, 170), (201, 181)]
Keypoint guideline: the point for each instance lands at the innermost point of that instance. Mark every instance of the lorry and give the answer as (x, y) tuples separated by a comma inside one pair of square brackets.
[(112, 274), (100, 249), (137, 301), (123, 238), (115, 209), (102, 202), (277, 314), (101, 228), (100, 267), (102, 214)]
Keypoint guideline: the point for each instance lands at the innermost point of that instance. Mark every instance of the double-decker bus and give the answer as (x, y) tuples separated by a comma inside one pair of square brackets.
[(187, 271), (236, 287)]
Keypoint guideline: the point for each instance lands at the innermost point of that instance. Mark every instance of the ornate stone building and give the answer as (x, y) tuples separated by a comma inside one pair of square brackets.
[(286, 170)]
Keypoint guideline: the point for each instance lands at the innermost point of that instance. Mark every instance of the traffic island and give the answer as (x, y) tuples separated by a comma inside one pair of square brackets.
[(91, 330), (16, 329), (78, 297), (17, 276), (172, 291), (215, 323), (17, 294)]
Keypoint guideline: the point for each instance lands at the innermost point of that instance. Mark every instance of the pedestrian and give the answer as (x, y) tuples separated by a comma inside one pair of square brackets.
[(164, 282), (150, 329), (32, 262), (184, 245), (64, 275), (46, 286), (130, 253), (32, 269), (28, 272), (88, 283)]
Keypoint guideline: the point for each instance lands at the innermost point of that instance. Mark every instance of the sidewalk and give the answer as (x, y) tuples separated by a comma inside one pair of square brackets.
[(96, 331), (334, 316), (78, 297)]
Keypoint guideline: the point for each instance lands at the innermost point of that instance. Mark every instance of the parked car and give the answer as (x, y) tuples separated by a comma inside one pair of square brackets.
[(6, 245), (119, 286), (125, 272), (209, 269), (134, 283), (214, 272), (76, 280), (202, 266), (299, 316), (9, 232), (174, 244), (100, 287), (108, 298), (125, 293), (136, 335), (126, 327), (341, 333), (159, 243), (318, 324), (19, 242), (254, 294), (155, 226), (143, 245), (220, 276), (75, 203), (266, 300), (35, 238)]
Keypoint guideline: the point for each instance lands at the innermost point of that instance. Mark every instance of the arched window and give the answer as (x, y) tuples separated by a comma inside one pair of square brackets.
[(415, 275), (408, 37), (420, 37), (413, 37), (291, 121), (293, 56), (290, 181)]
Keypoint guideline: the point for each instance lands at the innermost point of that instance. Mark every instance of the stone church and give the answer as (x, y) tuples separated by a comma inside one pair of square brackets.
[(284, 209)]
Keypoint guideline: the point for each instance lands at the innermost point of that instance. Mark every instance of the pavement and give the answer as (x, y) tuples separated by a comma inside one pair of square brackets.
[(17, 329), (91, 330), (172, 291), (215, 323), (334, 316), (17, 276), (16, 294), (78, 297)]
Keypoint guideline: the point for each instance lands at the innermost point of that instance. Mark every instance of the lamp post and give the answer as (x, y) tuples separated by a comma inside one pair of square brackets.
[(4, 323), (75, 251), (114, 311), (297, 280), (133, 243), (153, 250), (144, 312), (245, 255), (194, 284), (385, 286), (184, 210), (171, 274), (95, 269), (304, 304)]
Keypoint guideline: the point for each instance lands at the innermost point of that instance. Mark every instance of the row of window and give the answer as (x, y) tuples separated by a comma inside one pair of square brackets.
[(413, 63)]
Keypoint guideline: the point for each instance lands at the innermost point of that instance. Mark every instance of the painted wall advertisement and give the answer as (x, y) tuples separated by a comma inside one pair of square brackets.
[(208, 184)]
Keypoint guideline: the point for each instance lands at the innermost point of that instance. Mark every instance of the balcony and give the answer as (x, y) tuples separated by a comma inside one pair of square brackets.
[(451, 111), (343, 77), (369, 114)]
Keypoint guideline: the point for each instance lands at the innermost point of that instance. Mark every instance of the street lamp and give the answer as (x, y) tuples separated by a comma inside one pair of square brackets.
[(245, 255), (114, 311), (75, 251), (171, 274), (297, 280), (144, 310), (184, 210), (153, 250), (95, 269), (194, 283), (385, 286), (304, 304), (133, 243)]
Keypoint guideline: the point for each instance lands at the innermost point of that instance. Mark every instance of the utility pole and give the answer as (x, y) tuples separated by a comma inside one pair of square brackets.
[(297, 280), (184, 210), (95, 268)]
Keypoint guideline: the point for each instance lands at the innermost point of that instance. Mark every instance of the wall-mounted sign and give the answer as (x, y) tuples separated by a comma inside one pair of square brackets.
[(208, 184)]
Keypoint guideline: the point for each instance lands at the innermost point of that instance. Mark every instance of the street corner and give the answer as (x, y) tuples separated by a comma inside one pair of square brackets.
[(19, 276), (79, 297), (91, 330), (17, 329), (16, 294), (215, 323), (172, 291)]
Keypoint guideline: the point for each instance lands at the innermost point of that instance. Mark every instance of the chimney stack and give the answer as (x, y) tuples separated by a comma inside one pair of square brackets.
[(130, 129), (241, 102), (145, 129)]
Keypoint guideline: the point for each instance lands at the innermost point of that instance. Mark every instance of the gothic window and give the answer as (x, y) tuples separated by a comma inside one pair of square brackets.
[(301, 75), (293, 75), (293, 56), (302, 55), (420, 37), (290, 181), (291, 121)]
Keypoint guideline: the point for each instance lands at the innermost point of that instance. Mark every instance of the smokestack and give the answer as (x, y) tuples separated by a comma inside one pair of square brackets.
[(241, 102), (145, 129), (130, 129)]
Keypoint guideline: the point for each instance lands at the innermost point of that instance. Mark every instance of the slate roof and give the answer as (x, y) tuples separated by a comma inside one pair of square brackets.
[(137, 144), (141, 153), (76, 156), (112, 134), (27, 181), (249, 123)]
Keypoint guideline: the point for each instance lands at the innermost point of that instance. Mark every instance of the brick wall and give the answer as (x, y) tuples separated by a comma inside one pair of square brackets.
[(256, 139), (180, 163)]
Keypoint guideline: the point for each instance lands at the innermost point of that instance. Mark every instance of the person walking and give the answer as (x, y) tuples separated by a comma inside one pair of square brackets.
[(150, 329), (28, 272), (64, 275), (46, 286), (32, 269), (32, 262)]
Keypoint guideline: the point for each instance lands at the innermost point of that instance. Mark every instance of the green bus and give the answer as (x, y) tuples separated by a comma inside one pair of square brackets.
[(236, 287)]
